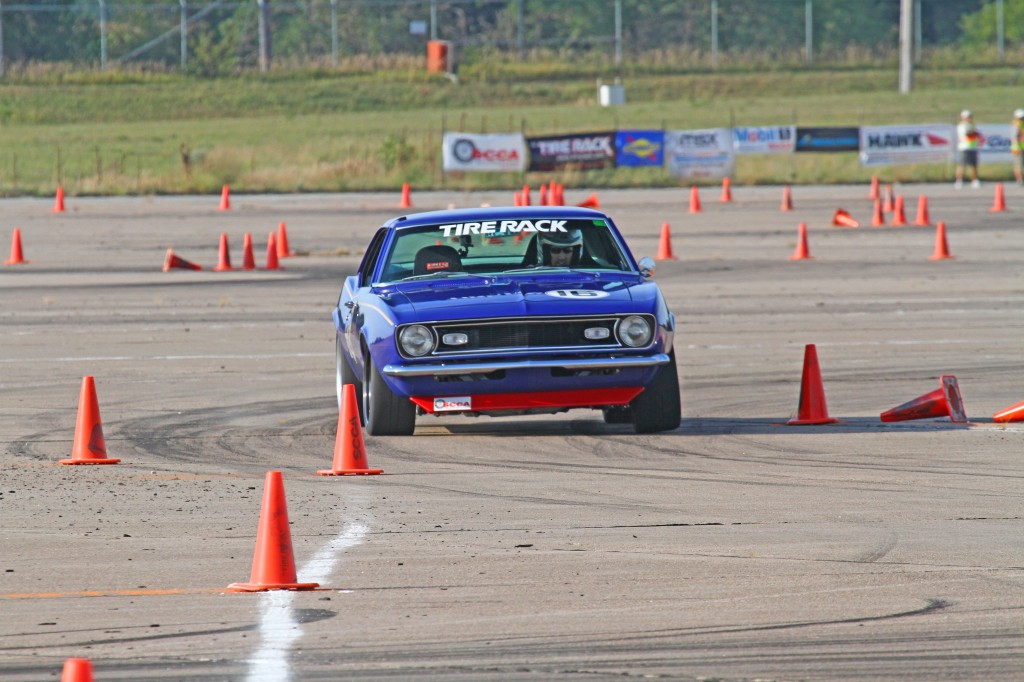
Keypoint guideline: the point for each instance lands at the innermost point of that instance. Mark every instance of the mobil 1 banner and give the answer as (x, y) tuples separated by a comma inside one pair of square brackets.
[(587, 150), (827, 139), (502, 152), (764, 140), (899, 144), (699, 153)]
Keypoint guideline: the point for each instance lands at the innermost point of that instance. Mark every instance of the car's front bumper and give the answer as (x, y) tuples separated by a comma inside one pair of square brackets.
[(486, 367)]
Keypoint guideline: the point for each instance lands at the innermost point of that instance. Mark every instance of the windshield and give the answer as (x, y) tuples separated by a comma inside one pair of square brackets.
[(497, 246)]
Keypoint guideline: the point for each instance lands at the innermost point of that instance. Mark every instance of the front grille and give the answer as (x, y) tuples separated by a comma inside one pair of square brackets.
[(525, 334)]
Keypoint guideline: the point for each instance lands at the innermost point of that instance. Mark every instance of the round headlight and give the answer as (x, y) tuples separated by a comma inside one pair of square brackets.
[(635, 331), (416, 340)]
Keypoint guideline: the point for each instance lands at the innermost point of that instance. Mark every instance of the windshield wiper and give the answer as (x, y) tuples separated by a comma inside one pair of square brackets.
[(546, 268), (443, 275)]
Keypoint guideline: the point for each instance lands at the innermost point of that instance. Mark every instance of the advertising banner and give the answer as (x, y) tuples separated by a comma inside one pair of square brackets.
[(827, 139), (764, 140), (995, 143), (496, 152), (704, 153), (897, 144), (640, 148), (586, 150)]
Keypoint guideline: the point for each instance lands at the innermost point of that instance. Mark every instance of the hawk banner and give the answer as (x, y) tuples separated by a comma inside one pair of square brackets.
[(899, 144)]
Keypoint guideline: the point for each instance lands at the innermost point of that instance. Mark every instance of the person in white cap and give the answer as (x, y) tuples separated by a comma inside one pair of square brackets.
[(967, 141), (1017, 146)]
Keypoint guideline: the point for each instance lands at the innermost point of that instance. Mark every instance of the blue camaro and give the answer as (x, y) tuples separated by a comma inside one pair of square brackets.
[(505, 311)]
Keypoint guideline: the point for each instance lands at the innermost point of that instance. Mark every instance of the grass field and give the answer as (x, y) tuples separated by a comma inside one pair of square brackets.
[(294, 132)]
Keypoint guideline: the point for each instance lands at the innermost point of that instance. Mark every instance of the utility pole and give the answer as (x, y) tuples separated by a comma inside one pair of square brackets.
[(809, 31), (522, 30), (906, 45), (1, 38), (433, 19), (618, 32), (1000, 31), (264, 34), (714, 34), (334, 33), (103, 35), (184, 34)]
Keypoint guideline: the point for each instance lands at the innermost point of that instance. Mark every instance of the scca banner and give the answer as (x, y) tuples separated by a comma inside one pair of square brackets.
[(890, 145), (640, 148), (699, 153), (495, 152), (587, 150), (764, 140)]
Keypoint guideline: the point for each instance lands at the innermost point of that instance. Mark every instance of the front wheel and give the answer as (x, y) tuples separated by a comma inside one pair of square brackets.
[(343, 374), (384, 412), (658, 407)]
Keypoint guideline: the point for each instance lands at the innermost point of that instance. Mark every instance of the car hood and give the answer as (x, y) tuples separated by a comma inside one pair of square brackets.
[(569, 294)]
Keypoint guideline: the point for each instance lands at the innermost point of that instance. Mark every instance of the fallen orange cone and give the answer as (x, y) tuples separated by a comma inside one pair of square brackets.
[(1014, 413), (223, 255), (225, 199), (801, 252), (89, 446), (812, 408), (174, 262), (843, 219), (273, 564), (17, 257), (941, 246), (665, 244), (76, 670), (349, 448), (589, 202), (944, 401)]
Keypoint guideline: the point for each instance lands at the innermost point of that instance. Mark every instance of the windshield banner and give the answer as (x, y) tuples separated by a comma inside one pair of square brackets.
[(699, 153), (770, 140), (588, 150), (892, 145), (640, 148), (500, 152)]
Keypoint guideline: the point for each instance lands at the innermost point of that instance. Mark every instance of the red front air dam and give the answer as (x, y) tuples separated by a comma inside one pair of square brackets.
[(490, 402)]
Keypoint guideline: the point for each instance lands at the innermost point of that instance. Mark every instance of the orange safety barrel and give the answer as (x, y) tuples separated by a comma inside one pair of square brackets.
[(437, 56)]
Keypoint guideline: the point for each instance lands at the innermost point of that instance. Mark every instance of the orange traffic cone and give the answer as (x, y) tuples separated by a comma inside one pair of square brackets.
[(173, 262), (406, 199), (922, 219), (17, 258), (665, 244), (590, 202), (543, 195), (517, 199), (248, 262), (999, 203), (283, 251), (272, 262), (878, 215), (873, 192), (694, 200), (225, 199), (941, 247), (887, 205), (812, 408), (526, 195), (899, 217), (560, 194), (273, 565), (1014, 413), (58, 204), (552, 193), (349, 449), (89, 446), (224, 258), (726, 190), (942, 402), (801, 253), (76, 670), (843, 219), (787, 199)]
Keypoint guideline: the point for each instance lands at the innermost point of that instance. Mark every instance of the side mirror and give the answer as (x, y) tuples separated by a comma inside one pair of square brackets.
[(646, 267)]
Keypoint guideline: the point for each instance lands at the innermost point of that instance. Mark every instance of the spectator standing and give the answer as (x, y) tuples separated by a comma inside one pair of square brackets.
[(967, 141), (1017, 146)]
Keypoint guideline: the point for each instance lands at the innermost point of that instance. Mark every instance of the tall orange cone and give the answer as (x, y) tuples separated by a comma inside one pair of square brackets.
[(553, 193), (517, 198), (89, 446), (349, 449), (225, 199), (283, 250), (787, 199), (406, 198), (560, 193), (273, 564), (899, 216), (665, 244), (272, 262), (802, 252), (944, 401), (543, 195), (590, 202), (941, 247), (873, 192), (223, 256), (77, 670), (526, 195), (694, 199), (843, 219), (726, 190), (175, 262), (887, 204), (922, 219), (812, 408), (1014, 413), (999, 203), (17, 257), (248, 262), (58, 203), (878, 215)]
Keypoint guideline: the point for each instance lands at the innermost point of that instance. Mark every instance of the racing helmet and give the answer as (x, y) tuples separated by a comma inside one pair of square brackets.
[(1019, 113), (570, 239)]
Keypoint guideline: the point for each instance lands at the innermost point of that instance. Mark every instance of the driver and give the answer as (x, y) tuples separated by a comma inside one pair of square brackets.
[(562, 249)]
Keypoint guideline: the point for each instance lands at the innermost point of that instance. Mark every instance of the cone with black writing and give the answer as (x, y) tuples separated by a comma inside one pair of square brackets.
[(223, 255), (941, 245), (225, 199), (273, 564), (77, 670), (349, 449), (665, 244), (726, 190), (89, 446), (944, 401), (1014, 413), (801, 252), (812, 408), (843, 219), (172, 261), (17, 257)]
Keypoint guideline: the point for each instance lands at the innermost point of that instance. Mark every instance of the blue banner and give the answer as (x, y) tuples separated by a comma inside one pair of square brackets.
[(640, 147)]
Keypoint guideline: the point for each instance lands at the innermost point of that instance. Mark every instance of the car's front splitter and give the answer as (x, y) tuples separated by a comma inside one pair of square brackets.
[(497, 402)]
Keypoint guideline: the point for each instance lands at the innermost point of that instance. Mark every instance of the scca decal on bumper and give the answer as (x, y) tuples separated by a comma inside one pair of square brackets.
[(454, 404)]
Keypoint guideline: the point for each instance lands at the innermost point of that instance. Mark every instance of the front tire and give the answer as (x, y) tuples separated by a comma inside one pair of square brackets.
[(384, 412), (658, 407), (344, 374)]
